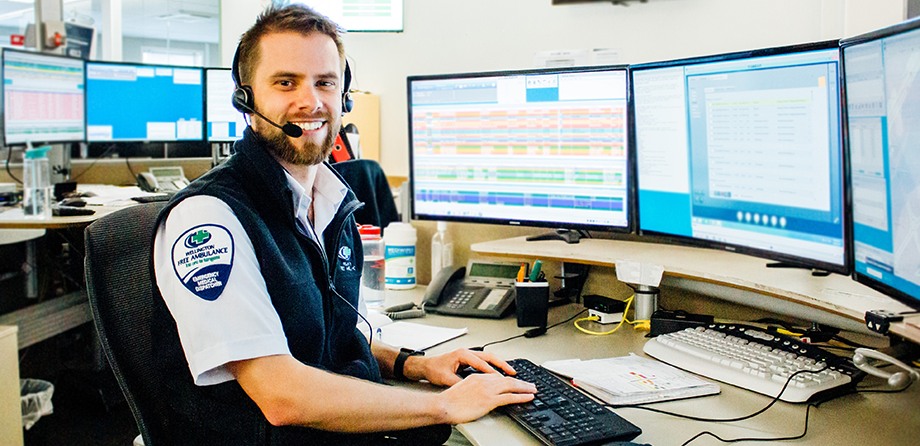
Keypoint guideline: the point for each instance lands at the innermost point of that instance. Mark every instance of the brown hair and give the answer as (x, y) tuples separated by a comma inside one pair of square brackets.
[(292, 18)]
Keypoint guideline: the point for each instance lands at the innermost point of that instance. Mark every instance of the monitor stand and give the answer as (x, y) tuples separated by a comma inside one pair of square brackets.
[(567, 235), (814, 272)]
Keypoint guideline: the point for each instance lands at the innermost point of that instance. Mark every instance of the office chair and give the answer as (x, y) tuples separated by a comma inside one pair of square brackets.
[(369, 183), (120, 292)]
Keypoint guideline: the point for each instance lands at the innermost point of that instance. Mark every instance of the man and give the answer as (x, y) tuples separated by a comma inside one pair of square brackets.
[(258, 263)]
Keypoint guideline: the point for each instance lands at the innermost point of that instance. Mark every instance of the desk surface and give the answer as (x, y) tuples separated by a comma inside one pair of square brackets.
[(835, 294), (18, 222), (854, 419)]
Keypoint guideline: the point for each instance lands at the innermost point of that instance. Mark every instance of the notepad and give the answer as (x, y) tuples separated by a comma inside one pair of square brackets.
[(631, 379), (417, 336)]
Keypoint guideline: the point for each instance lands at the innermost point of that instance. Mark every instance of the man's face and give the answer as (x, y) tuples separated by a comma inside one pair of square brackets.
[(298, 80)]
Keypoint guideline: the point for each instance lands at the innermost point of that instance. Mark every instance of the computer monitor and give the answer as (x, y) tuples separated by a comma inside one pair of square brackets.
[(224, 122), (743, 152), (883, 120), (133, 102), (534, 148), (43, 98)]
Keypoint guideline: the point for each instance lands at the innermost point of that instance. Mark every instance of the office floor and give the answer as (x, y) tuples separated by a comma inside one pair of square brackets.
[(88, 407)]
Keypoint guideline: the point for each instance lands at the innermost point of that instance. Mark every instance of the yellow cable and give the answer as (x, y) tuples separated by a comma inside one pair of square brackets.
[(594, 318)]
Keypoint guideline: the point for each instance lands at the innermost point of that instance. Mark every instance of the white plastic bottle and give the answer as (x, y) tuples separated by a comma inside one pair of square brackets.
[(442, 249), (399, 239)]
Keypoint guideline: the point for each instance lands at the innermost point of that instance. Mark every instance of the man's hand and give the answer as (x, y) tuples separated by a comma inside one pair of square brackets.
[(479, 394), (442, 369)]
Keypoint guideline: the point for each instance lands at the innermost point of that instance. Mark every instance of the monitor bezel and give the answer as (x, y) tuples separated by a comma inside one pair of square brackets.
[(132, 64), (630, 201), (7, 143), (207, 119), (817, 265), (865, 279)]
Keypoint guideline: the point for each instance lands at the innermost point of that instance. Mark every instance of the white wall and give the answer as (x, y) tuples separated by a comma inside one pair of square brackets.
[(450, 36)]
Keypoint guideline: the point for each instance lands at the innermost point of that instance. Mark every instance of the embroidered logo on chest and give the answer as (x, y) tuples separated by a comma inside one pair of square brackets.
[(345, 261), (202, 258)]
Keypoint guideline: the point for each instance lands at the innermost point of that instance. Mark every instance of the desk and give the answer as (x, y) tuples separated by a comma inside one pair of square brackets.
[(872, 419), (54, 316), (834, 300)]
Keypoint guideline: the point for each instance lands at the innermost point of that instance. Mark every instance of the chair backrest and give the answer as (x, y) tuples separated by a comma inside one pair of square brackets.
[(369, 183), (121, 294)]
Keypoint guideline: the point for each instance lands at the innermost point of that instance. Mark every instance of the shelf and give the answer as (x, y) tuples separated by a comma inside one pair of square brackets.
[(835, 294)]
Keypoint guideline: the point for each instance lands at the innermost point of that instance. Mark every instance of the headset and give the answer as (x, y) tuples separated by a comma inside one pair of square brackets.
[(244, 101), (900, 379)]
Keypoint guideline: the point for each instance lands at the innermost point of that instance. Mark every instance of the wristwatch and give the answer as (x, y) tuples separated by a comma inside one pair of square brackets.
[(404, 354)]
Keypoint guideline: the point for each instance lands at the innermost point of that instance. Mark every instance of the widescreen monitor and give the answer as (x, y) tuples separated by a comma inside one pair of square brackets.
[(743, 152), (883, 120), (42, 98), (132, 102), (536, 148), (224, 122)]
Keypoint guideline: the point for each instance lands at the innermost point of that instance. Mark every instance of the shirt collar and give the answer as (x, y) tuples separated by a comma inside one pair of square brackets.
[(327, 195)]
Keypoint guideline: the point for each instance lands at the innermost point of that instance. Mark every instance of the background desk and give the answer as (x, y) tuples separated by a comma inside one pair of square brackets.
[(834, 300), (52, 316), (870, 419)]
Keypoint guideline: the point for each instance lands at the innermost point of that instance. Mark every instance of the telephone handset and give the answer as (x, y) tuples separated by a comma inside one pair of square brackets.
[(162, 179), (486, 292)]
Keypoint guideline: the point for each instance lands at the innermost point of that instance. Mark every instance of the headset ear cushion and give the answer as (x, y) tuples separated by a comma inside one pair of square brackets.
[(348, 103), (242, 99)]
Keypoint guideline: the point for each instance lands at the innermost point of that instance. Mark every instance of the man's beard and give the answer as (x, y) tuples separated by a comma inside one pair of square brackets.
[(311, 153)]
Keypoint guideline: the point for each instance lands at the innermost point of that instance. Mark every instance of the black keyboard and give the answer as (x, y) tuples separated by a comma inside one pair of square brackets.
[(70, 211), (562, 415), (152, 198)]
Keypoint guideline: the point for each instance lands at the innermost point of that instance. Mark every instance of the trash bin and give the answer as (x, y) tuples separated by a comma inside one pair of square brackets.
[(35, 395)]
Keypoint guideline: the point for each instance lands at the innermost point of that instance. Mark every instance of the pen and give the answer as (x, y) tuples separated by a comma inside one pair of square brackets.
[(535, 272), (521, 272)]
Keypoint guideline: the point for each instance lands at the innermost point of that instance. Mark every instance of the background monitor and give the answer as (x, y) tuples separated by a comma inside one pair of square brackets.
[(42, 98), (883, 117), (224, 122), (126, 102), (743, 152), (536, 148)]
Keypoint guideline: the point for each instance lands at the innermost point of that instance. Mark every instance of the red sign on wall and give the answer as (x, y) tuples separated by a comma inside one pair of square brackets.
[(17, 39)]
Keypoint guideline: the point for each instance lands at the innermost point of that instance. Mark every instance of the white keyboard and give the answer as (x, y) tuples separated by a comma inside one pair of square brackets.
[(756, 360)]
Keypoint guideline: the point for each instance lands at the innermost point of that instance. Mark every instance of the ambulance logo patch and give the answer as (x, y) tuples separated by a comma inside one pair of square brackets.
[(202, 259)]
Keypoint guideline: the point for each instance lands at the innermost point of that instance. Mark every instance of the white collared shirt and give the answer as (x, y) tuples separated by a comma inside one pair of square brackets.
[(240, 323)]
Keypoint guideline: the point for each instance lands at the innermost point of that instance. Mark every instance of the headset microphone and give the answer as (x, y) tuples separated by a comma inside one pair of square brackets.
[(289, 129)]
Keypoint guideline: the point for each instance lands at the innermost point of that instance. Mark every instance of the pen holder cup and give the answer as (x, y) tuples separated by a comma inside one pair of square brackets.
[(531, 303)]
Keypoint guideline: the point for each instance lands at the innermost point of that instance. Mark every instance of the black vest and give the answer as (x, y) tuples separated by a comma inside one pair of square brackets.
[(308, 288)]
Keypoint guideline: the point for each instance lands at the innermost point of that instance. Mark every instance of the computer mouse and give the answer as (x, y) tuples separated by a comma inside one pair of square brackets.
[(74, 202)]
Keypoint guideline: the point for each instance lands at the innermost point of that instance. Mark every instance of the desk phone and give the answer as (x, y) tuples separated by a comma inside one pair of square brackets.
[(486, 292)]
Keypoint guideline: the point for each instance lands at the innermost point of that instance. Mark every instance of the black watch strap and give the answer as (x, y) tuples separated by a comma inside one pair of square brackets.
[(404, 354)]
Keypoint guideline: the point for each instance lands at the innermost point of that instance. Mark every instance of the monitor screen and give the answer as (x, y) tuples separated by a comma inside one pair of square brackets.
[(127, 102), (883, 120), (537, 148), (360, 15), (224, 122), (743, 152), (42, 98)]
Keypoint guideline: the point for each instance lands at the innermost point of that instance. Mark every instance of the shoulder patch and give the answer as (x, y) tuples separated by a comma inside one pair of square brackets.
[(202, 258)]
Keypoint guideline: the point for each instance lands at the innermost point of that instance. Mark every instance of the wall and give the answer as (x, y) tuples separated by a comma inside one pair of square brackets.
[(447, 36), (132, 49)]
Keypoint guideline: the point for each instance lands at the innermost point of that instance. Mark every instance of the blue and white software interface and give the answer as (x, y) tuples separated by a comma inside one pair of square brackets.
[(143, 103), (43, 98), (883, 110), (225, 123), (744, 152), (545, 147)]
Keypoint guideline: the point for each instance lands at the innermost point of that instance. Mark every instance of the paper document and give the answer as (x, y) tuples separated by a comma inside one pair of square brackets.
[(416, 336), (632, 379)]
